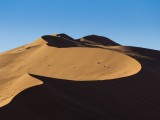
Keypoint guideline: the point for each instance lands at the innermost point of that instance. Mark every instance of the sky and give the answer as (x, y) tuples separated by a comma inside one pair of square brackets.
[(128, 22)]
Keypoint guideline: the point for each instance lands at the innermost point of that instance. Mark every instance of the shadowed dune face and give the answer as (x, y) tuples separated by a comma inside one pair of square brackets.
[(94, 39), (64, 58), (58, 41), (131, 98), (65, 36)]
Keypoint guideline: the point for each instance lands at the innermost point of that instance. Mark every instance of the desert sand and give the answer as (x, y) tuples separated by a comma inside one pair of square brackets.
[(91, 78)]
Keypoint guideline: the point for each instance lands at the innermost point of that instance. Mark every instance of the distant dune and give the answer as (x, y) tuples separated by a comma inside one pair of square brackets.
[(92, 78)]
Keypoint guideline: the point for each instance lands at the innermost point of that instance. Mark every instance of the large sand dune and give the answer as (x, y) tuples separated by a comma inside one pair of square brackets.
[(91, 78)]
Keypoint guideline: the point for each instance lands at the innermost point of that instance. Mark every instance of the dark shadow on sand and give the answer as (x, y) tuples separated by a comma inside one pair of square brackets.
[(58, 41), (131, 98), (101, 40)]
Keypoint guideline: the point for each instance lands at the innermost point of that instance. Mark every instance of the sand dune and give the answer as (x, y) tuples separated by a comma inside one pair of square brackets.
[(92, 77), (75, 63)]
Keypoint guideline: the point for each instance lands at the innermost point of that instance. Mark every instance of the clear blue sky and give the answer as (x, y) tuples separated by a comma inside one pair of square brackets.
[(128, 22)]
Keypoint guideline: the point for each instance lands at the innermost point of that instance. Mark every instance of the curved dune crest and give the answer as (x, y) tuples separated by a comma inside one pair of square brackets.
[(13, 86), (83, 64)]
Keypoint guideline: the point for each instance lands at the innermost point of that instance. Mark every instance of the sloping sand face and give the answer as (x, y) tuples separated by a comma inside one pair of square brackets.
[(82, 64), (14, 67), (73, 63)]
